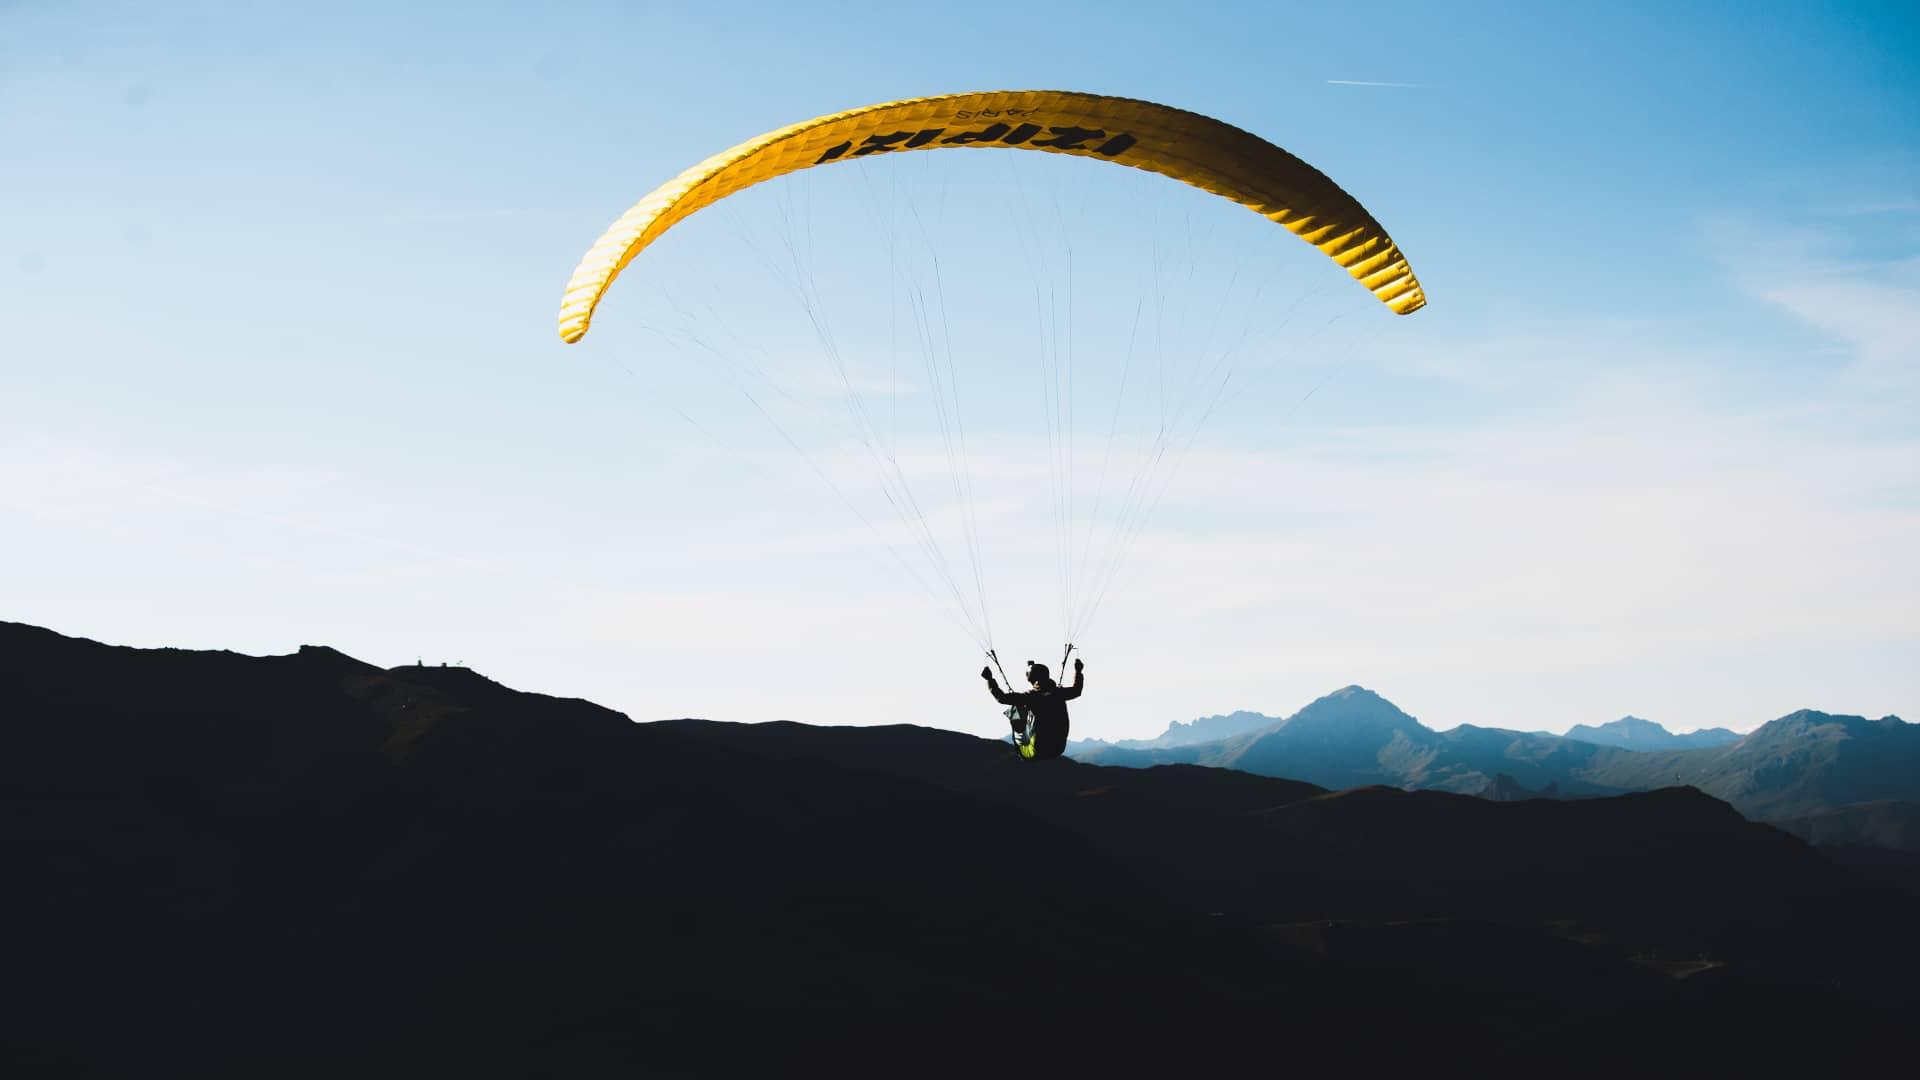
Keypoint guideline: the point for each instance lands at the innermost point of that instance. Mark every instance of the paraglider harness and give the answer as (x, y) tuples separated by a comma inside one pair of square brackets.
[(1023, 734), (1023, 719)]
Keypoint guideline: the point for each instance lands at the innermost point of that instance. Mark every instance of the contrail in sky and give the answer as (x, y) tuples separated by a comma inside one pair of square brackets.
[(1363, 82)]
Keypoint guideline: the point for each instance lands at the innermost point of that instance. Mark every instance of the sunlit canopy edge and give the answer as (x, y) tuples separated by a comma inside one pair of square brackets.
[(1194, 149)]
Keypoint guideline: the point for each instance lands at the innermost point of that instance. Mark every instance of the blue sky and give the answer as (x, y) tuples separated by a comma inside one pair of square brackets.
[(276, 338)]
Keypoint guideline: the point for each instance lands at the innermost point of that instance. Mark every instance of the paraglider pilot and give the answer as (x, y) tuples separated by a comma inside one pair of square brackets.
[(1044, 706)]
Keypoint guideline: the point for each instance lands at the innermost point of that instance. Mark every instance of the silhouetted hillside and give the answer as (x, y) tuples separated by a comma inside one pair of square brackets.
[(304, 865), (1889, 823), (1880, 838)]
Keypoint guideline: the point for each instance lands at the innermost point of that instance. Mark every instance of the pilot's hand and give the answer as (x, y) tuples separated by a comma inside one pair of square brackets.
[(1079, 666), (986, 673)]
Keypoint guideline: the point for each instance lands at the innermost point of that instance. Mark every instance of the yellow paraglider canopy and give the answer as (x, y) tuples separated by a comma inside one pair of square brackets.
[(1198, 150)]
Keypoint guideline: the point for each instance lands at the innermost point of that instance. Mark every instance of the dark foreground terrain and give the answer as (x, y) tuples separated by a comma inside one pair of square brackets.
[(221, 865)]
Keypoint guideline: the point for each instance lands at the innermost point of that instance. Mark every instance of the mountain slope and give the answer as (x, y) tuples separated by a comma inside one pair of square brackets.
[(1801, 764), (307, 866)]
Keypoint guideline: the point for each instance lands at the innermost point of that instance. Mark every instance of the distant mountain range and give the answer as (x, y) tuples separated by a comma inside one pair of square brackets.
[(1633, 733), (310, 866), (1192, 732), (1799, 767), (1627, 733)]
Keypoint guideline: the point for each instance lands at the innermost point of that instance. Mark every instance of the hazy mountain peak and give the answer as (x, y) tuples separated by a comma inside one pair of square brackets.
[(1351, 708), (1201, 730), (1804, 722), (1812, 723), (1355, 696), (1626, 725), (1636, 733), (1808, 716)]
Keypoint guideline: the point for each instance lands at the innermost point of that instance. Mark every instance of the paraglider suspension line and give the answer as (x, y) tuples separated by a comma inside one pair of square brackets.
[(993, 656)]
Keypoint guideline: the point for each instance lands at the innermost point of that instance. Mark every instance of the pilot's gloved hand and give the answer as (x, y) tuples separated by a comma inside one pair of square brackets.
[(987, 673), (1079, 666)]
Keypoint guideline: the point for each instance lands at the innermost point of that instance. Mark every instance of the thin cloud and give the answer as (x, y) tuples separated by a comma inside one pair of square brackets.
[(459, 215), (1369, 82), (320, 529), (1864, 303), (1872, 208)]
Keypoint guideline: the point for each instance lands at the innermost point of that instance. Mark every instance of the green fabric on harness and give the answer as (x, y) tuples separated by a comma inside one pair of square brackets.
[(1023, 739)]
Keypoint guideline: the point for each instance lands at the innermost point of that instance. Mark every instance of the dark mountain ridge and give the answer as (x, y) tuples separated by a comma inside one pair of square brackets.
[(305, 865)]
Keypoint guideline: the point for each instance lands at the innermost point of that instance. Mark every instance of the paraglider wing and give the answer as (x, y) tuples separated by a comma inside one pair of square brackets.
[(1198, 150)]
